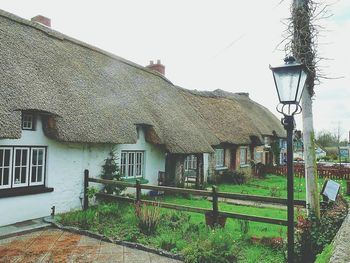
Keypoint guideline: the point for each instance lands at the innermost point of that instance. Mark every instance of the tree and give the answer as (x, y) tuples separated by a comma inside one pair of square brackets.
[(110, 171), (326, 139), (302, 46)]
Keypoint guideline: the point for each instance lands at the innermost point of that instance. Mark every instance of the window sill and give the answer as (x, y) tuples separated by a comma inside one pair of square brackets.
[(20, 191), (133, 180), (221, 168)]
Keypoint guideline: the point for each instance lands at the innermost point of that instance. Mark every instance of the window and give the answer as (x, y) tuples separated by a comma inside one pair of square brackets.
[(190, 162), (5, 167), (131, 164), (22, 166), (219, 157), (243, 156), (27, 121), (37, 166)]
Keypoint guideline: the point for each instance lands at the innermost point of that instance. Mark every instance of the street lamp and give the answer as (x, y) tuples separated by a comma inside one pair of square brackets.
[(289, 80)]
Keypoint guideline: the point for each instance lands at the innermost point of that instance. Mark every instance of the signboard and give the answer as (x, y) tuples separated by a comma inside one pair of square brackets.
[(344, 153), (330, 190)]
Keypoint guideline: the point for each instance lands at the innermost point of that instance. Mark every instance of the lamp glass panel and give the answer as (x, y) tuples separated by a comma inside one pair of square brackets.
[(303, 77), (287, 83)]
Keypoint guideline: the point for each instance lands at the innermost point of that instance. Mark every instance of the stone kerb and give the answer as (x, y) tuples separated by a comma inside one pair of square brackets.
[(341, 252)]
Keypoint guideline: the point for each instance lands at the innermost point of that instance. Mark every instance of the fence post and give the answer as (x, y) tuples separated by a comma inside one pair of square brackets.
[(215, 204), (86, 185), (138, 191)]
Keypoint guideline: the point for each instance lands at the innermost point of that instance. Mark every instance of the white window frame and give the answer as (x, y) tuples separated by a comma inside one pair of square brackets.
[(27, 121), (190, 162), (8, 167), (245, 149), (137, 164), (37, 165), (219, 158), (14, 166)]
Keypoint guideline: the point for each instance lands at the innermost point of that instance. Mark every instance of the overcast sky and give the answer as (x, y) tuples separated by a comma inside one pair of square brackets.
[(207, 45)]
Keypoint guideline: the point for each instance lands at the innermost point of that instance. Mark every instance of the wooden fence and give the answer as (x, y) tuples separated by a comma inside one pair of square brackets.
[(329, 172), (214, 194)]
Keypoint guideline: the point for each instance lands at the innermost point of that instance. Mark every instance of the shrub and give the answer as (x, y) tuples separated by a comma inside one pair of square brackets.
[(82, 219), (174, 219), (312, 235), (217, 246), (148, 217), (167, 242), (232, 177), (109, 210), (110, 171)]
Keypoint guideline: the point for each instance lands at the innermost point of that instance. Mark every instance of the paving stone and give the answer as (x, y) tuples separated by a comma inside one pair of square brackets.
[(159, 259), (109, 248), (54, 245), (131, 254), (107, 258)]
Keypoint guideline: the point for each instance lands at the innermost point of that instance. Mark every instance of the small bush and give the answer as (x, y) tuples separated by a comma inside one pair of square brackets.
[(167, 242), (232, 177), (312, 235), (82, 219), (109, 210), (110, 171), (148, 216), (217, 246)]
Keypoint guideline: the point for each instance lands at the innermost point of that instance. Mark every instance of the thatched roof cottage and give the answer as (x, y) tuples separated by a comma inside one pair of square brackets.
[(65, 104)]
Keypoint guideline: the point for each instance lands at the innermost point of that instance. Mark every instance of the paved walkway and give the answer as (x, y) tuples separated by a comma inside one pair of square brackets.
[(54, 245)]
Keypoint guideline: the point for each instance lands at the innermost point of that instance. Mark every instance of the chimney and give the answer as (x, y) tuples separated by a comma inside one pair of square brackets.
[(157, 67), (42, 20)]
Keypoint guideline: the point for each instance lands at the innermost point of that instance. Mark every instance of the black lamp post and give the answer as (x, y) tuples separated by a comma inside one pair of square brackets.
[(289, 80)]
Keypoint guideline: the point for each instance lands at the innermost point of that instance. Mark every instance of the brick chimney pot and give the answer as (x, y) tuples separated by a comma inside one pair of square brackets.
[(42, 20)]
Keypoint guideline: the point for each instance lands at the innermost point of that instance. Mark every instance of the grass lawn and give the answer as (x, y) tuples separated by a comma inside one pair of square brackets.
[(182, 232), (186, 232), (276, 186)]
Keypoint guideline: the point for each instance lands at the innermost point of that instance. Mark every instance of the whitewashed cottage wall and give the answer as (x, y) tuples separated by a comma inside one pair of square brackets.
[(65, 165)]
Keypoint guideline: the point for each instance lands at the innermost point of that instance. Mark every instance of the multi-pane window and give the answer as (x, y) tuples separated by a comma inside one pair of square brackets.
[(132, 164), (190, 162), (37, 166), (243, 156), (219, 157), (22, 166), (5, 167), (27, 121)]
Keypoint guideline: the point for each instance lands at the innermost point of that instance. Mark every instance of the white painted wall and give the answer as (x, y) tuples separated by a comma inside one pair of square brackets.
[(65, 167)]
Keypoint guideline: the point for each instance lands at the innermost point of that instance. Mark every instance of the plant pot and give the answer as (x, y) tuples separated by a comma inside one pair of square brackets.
[(210, 220)]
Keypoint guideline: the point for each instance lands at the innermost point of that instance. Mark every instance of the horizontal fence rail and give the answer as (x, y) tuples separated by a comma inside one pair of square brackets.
[(214, 194), (329, 172)]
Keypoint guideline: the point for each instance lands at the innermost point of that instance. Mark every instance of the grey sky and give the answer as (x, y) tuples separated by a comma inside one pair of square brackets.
[(207, 45)]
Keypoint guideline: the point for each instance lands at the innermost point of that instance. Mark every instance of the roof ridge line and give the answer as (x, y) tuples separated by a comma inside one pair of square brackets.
[(54, 33)]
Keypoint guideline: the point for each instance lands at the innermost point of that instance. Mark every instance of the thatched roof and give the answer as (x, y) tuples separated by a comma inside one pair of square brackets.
[(97, 97), (233, 117)]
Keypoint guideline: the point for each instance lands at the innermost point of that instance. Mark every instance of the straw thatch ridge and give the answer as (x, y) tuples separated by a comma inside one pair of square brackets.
[(233, 117), (96, 97)]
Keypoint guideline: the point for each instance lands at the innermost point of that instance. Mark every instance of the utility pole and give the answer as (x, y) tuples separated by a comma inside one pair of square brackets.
[(303, 50)]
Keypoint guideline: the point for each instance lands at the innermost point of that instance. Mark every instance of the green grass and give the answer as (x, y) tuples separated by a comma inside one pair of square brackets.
[(326, 254), (179, 232), (265, 187), (176, 236)]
